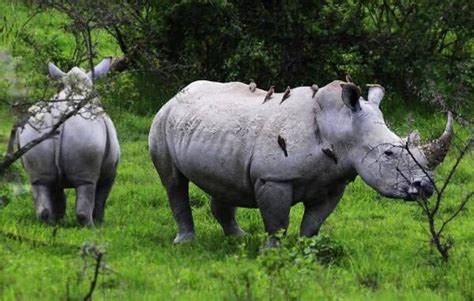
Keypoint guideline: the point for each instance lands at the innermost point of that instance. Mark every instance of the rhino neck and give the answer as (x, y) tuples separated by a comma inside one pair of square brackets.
[(336, 140)]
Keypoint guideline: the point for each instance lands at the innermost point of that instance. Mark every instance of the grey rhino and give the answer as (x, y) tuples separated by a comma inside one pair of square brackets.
[(83, 154), (247, 151)]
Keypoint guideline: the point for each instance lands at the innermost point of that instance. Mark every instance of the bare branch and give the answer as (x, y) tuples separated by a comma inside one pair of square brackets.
[(459, 210), (464, 150), (10, 159)]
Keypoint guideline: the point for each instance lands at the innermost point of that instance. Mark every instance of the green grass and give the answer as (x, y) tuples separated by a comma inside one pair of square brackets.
[(379, 247), (386, 254)]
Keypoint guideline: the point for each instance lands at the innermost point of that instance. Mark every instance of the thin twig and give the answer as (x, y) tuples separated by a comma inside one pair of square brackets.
[(98, 261)]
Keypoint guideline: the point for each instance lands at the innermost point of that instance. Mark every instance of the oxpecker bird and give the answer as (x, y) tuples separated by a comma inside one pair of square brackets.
[(252, 86), (315, 89), (330, 153), (269, 94), (282, 144), (349, 79), (286, 94)]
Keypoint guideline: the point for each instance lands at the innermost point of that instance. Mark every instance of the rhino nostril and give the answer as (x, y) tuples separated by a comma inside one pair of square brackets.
[(416, 183), (413, 190)]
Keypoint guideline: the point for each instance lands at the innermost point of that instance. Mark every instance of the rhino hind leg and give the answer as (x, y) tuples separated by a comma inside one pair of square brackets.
[(101, 194), (225, 215), (274, 201), (85, 197), (58, 204), (177, 186), (43, 196)]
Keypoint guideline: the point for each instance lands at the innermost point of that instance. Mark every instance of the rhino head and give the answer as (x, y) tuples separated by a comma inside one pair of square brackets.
[(77, 80), (395, 167)]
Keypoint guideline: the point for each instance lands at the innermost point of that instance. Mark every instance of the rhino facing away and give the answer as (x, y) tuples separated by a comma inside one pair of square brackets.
[(272, 155), (83, 154)]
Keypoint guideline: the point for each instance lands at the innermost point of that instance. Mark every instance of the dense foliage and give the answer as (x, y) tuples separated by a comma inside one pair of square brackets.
[(416, 49)]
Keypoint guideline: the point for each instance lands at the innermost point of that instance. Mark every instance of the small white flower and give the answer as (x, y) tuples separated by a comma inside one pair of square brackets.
[(34, 109)]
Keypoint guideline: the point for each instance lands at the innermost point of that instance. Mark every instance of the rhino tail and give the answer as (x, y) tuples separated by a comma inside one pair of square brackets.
[(57, 141)]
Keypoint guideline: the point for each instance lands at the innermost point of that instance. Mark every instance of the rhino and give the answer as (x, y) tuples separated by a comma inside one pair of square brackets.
[(266, 150), (83, 154)]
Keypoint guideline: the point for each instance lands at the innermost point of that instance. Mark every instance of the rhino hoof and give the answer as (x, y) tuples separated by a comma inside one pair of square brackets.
[(271, 243), (236, 232), (83, 220), (44, 215), (184, 237)]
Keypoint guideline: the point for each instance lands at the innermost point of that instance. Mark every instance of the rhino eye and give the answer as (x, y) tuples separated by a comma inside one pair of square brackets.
[(388, 153)]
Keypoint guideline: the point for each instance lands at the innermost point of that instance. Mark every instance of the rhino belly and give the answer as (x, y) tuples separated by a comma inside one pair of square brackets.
[(217, 162)]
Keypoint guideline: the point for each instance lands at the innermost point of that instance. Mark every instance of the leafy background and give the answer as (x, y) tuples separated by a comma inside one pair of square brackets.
[(370, 247)]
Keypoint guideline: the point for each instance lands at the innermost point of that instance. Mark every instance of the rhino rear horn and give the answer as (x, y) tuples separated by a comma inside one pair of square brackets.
[(350, 96), (436, 150)]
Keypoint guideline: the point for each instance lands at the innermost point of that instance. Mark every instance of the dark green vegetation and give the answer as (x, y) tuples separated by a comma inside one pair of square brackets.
[(370, 247)]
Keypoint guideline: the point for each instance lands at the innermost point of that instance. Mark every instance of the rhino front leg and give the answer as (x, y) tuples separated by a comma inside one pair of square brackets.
[(315, 214), (225, 215), (85, 196), (42, 195), (274, 201)]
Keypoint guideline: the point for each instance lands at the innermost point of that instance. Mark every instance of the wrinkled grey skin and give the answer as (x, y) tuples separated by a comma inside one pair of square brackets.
[(83, 155), (222, 138)]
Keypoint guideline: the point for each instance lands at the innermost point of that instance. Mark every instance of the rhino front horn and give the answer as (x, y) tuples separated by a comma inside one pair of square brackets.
[(438, 148)]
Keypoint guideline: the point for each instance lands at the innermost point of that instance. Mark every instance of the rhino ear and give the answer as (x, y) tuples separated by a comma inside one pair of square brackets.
[(376, 93), (350, 96), (54, 71), (101, 69)]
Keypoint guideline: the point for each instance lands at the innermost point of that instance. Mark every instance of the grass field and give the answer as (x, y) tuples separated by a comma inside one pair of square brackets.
[(370, 248)]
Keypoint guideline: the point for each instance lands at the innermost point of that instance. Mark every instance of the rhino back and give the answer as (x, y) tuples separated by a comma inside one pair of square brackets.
[(76, 154)]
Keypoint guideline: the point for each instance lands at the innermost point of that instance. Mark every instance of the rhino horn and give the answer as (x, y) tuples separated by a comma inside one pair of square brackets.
[(101, 68), (54, 71), (436, 150), (376, 93)]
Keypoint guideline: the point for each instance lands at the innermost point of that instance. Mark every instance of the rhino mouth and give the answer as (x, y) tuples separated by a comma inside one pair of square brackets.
[(411, 192), (418, 191)]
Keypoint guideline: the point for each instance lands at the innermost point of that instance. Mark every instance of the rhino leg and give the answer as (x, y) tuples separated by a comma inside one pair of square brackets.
[(85, 195), (177, 189), (101, 194), (42, 195), (59, 204), (274, 202), (225, 215), (315, 214)]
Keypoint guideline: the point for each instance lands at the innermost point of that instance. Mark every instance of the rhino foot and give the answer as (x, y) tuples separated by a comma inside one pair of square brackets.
[(84, 220), (44, 215), (184, 237), (236, 232), (271, 243)]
